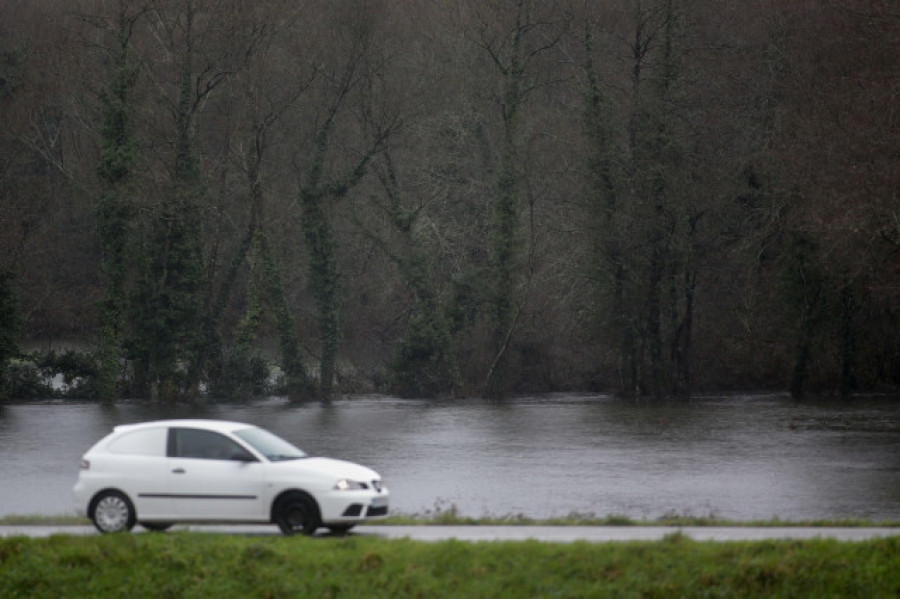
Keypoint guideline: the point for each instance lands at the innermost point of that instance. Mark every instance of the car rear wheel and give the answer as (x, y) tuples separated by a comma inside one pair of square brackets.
[(297, 513), (111, 511)]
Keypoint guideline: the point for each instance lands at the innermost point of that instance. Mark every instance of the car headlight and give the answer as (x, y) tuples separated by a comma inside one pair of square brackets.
[(345, 484)]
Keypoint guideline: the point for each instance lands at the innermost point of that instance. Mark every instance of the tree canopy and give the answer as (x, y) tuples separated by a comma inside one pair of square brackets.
[(645, 197)]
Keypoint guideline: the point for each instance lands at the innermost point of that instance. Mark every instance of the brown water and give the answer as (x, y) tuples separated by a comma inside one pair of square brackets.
[(738, 457)]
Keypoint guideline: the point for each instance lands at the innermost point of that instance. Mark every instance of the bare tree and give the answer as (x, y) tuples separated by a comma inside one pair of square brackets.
[(321, 187), (513, 34)]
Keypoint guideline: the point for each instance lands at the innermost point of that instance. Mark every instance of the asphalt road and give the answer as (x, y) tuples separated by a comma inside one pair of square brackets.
[(555, 534)]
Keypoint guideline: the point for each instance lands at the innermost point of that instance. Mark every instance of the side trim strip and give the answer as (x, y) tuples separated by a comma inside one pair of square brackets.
[(182, 496)]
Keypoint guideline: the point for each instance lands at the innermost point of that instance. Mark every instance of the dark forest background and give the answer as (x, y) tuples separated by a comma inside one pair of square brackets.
[(451, 197)]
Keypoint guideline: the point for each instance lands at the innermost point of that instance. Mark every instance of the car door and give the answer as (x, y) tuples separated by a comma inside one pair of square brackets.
[(213, 478)]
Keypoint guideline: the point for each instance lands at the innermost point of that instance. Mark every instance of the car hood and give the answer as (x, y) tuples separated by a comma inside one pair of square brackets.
[(329, 467)]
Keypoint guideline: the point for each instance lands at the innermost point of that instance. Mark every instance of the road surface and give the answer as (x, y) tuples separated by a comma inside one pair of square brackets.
[(555, 534)]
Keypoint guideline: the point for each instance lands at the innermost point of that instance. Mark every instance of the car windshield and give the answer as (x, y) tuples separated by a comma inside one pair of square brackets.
[(272, 446)]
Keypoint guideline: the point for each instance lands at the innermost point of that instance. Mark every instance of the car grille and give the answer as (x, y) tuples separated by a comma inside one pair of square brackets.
[(377, 511)]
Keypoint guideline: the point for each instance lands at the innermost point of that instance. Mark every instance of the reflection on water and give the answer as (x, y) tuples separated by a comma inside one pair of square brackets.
[(743, 458)]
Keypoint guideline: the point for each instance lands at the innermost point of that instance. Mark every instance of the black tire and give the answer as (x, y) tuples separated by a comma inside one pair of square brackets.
[(112, 511), (297, 513), (340, 529), (157, 526)]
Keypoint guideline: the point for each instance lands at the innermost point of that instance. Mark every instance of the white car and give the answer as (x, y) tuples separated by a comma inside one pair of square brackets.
[(159, 473)]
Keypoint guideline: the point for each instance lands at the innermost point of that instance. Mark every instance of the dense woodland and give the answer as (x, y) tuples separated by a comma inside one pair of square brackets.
[(453, 197)]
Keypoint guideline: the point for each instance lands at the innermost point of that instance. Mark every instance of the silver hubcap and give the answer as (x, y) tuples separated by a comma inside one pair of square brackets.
[(111, 514)]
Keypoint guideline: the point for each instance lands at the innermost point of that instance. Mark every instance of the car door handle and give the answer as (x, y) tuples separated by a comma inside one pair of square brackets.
[(178, 471)]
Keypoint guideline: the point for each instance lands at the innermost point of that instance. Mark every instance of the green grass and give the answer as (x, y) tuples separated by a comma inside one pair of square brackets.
[(40, 520), (445, 513), (453, 519), (206, 565)]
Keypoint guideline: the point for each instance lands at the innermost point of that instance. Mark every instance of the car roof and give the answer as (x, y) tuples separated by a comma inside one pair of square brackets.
[(222, 426)]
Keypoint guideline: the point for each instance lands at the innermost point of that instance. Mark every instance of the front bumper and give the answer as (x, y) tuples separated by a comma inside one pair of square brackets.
[(349, 507)]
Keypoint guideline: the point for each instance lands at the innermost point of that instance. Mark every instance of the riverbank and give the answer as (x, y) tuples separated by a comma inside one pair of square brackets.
[(187, 564), (452, 518)]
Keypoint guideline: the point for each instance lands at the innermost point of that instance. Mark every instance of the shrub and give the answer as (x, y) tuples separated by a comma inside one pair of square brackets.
[(241, 374), (40, 375)]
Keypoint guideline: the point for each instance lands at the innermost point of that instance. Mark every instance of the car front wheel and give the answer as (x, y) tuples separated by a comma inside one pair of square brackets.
[(297, 513), (111, 511)]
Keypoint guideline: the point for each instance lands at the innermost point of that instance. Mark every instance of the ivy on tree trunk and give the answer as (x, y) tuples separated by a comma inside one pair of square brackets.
[(114, 211)]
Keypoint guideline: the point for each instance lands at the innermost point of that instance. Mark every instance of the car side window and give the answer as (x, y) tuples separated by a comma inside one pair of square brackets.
[(205, 445), (146, 442)]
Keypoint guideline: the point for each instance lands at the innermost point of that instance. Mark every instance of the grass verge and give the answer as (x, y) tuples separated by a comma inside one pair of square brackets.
[(450, 517), (205, 565), (41, 520)]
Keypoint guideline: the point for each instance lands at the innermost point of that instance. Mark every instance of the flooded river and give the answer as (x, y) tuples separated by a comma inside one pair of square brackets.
[(736, 457)]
